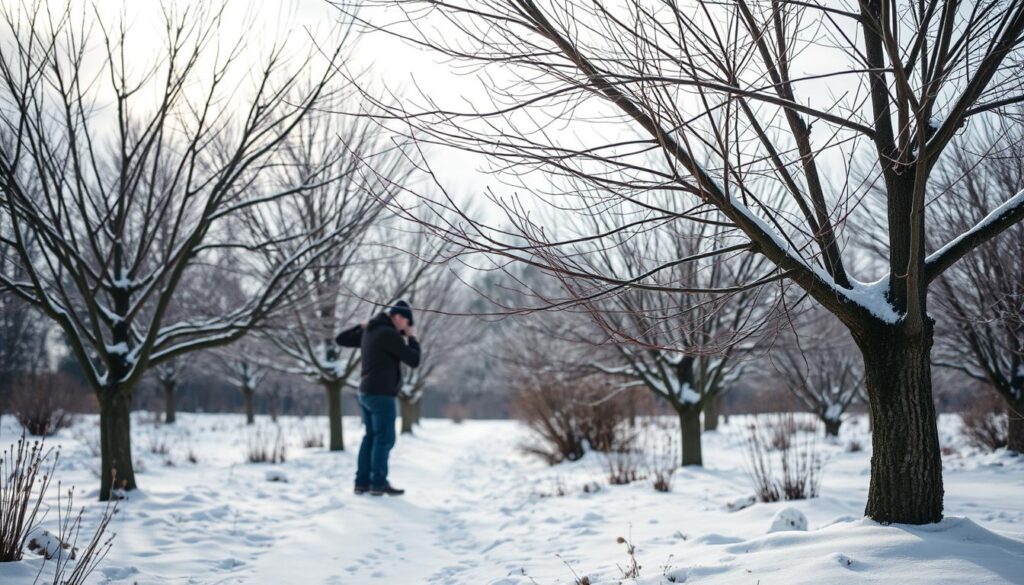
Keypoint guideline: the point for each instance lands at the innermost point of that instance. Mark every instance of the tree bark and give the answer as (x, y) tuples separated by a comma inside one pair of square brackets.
[(1015, 428), (334, 412), (405, 411), (712, 407), (906, 463), (170, 402), (116, 468), (250, 405), (689, 422), (832, 427)]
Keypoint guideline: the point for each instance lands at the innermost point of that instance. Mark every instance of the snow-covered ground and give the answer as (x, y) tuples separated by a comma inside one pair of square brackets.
[(478, 511)]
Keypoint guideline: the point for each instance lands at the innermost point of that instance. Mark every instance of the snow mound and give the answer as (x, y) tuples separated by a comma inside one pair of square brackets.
[(863, 551), (276, 475), (46, 544), (740, 504), (788, 519)]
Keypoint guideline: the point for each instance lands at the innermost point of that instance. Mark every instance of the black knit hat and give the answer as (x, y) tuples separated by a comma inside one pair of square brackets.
[(401, 308)]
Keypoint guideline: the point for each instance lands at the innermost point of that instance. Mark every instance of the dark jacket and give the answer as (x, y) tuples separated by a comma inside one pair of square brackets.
[(383, 351)]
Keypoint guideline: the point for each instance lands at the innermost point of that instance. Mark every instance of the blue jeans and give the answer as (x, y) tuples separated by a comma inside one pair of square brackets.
[(379, 414)]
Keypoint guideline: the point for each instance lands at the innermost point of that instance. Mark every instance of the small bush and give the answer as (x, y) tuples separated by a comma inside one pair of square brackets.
[(985, 423), (798, 475), (663, 449), (44, 403), (73, 564), (781, 432), (25, 477), (262, 449), (20, 469), (158, 444), (311, 437), (622, 467), (568, 416)]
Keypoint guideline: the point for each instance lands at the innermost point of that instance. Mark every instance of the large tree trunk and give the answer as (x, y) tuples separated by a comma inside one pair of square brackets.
[(906, 464), (712, 407), (410, 412), (1015, 428), (250, 405), (337, 442), (170, 402), (116, 469), (406, 411), (832, 427), (689, 422)]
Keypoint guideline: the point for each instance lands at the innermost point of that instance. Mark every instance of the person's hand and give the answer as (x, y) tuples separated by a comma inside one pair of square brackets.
[(410, 331), (364, 324)]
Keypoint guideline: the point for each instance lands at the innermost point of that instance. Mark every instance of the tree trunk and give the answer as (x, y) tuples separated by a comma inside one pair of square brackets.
[(832, 427), (689, 422), (170, 402), (711, 409), (334, 408), (1015, 428), (906, 463), (406, 408), (116, 469), (250, 406)]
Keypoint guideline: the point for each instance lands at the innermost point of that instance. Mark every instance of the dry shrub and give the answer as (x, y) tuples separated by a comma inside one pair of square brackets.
[(622, 467), (73, 564), (25, 477), (158, 444), (986, 424), (44, 402), (568, 416), (262, 449), (21, 471), (799, 471), (781, 431), (311, 436), (661, 443)]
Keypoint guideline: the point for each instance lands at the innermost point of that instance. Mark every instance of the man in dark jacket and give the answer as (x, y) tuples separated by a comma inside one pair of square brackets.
[(385, 341)]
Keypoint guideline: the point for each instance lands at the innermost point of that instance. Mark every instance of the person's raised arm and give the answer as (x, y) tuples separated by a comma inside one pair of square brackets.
[(351, 337)]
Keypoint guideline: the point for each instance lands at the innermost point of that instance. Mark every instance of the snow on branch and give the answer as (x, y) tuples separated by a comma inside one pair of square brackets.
[(1001, 218)]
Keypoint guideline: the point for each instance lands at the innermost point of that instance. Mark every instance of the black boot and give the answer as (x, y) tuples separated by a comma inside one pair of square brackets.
[(360, 490), (387, 489)]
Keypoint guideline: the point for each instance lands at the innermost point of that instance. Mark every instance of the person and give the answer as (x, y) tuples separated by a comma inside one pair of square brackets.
[(385, 342)]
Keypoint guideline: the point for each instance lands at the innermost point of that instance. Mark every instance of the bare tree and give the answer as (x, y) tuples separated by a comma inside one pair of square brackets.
[(450, 336), (984, 293), (99, 152), (246, 375), (708, 100), (685, 347), (168, 376), (349, 205), (820, 368)]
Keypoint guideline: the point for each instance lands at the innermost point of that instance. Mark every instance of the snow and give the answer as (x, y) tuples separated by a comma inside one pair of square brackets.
[(788, 519), (996, 215), (479, 511), (871, 296), (117, 348), (834, 411)]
